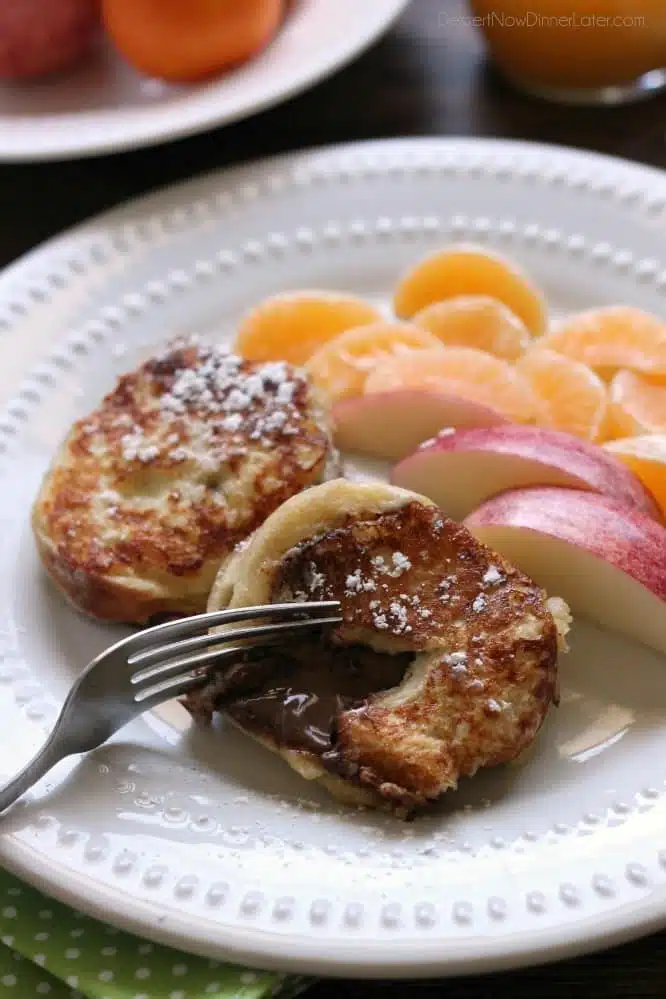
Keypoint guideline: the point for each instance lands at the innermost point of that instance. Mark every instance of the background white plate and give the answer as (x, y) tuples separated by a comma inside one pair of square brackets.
[(202, 839), (104, 106)]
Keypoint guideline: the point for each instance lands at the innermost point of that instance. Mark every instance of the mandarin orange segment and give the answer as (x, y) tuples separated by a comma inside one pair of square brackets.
[(646, 457), (476, 321), (637, 405), (574, 398), (612, 337), (462, 371), (469, 270), (340, 368), (293, 325)]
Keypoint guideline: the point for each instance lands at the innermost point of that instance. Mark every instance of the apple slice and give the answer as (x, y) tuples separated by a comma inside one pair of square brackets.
[(392, 424), (459, 471), (606, 560)]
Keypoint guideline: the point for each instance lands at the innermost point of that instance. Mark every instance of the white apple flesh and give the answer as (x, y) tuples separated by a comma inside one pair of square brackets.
[(461, 470), (390, 425), (606, 560)]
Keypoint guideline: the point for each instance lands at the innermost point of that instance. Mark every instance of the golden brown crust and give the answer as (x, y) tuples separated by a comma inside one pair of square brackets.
[(484, 639), (485, 674), (182, 460)]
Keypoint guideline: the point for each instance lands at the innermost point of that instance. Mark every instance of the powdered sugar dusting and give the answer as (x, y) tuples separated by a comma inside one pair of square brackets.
[(492, 576), (456, 661), (399, 614), (399, 565), (242, 400), (316, 580), (135, 448), (355, 583), (496, 707), (365, 582)]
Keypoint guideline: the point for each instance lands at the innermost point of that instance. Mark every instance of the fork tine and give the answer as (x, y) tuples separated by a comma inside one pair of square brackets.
[(154, 693), (164, 652), (254, 637), (187, 626), (169, 689)]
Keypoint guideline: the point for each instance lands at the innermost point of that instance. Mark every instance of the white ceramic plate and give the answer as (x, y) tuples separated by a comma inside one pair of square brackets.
[(105, 107), (202, 839)]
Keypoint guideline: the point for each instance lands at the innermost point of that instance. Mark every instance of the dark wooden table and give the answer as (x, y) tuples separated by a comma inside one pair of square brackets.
[(421, 79)]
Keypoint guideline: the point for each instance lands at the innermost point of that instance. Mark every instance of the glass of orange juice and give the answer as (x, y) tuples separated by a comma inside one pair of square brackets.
[(578, 51)]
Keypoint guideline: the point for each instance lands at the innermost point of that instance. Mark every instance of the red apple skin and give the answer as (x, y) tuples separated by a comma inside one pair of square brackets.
[(586, 463), (38, 37), (626, 538)]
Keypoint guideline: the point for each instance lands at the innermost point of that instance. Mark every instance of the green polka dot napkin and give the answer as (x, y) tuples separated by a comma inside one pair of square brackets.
[(49, 950)]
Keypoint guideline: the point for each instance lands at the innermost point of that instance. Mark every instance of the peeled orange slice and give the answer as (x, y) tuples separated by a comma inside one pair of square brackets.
[(476, 321), (470, 270), (291, 326), (616, 336), (637, 405), (465, 371), (340, 368), (646, 457), (574, 398)]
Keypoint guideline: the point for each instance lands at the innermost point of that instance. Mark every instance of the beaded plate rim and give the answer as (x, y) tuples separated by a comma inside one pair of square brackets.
[(128, 233)]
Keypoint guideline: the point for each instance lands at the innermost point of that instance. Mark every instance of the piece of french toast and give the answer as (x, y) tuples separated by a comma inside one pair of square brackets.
[(188, 455), (446, 660)]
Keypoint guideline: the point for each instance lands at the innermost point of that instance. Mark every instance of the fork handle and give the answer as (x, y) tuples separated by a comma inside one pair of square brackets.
[(51, 753)]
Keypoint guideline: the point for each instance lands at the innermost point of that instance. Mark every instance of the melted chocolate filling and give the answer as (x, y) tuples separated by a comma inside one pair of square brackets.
[(295, 696)]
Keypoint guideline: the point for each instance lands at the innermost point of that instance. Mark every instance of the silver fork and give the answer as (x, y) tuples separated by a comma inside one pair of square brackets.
[(156, 665)]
